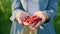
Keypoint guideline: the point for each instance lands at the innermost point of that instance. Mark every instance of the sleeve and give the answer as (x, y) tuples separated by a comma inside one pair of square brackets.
[(51, 8), (16, 6)]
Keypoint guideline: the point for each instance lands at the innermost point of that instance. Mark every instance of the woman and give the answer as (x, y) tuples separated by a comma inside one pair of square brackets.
[(46, 9)]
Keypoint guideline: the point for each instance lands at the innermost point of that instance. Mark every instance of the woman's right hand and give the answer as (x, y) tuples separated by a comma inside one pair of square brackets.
[(20, 15)]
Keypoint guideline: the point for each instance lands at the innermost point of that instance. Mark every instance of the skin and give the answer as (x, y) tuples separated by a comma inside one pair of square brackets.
[(21, 15)]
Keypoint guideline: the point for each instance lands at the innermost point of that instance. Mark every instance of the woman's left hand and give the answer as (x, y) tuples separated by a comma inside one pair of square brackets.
[(42, 15)]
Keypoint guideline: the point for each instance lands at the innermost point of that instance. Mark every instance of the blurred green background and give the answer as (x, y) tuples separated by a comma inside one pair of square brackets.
[(5, 13)]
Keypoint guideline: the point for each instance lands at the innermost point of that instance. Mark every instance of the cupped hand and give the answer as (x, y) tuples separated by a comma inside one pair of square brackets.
[(20, 16), (42, 15)]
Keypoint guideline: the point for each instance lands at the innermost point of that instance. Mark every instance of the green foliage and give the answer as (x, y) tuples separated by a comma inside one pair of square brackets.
[(57, 20), (5, 13)]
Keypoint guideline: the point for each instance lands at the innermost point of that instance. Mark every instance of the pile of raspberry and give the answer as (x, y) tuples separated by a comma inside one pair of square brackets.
[(32, 19)]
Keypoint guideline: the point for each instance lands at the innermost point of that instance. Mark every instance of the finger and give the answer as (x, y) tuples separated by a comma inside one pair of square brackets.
[(25, 23), (31, 27), (20, 22), (33, 24), (43, 20), (37, 24)]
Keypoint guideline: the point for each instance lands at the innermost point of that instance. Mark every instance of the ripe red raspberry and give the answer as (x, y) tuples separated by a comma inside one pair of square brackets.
[(32, 19), (28, 17), (25, 19)]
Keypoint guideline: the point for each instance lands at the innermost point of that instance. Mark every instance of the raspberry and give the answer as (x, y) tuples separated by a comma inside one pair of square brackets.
[(32, 19), (28, 17), (25, 19)]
